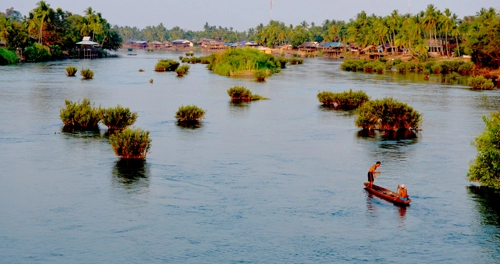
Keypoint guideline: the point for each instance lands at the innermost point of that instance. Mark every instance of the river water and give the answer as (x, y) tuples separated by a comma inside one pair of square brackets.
[(275, 181)]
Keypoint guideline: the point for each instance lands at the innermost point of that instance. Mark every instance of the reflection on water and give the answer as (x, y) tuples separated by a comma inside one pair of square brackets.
[(423, 78), (344, 111), (402, 134), (90, 133), (487, 203), (189, 124), (132, 173), (488, 102)]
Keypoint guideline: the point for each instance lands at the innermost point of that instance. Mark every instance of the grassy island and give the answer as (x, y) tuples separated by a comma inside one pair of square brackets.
[(343, 100), (387, 114), (82, 115), (131, 143), (243, 62), (242, 94), (118, 118), (189, 113)]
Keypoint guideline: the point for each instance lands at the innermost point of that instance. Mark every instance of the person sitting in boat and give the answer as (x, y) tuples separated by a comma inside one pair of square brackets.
[(403, 193), (371, 174)]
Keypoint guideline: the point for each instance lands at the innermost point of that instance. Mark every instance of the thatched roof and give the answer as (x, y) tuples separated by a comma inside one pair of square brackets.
[(367, 48)]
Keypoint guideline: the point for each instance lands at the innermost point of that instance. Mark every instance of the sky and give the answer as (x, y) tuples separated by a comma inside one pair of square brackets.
[(243, 14)]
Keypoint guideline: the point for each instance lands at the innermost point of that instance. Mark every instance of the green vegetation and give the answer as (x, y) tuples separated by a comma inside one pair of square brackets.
[(181, 70), (47, 34), (260, 75), (131, 143), (480, 82), (241, 61), (166, 65), (118, 118), (80, 115), (71, 70), (387, 114), (427, 67), (242, 94), (189, 113), (283, 61), (37, 52), (486, 167), (87, 73), (343, 100), (8, 57)]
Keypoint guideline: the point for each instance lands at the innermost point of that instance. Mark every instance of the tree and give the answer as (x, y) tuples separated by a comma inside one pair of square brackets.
[(482, 40), (40, 15), (486, 167)]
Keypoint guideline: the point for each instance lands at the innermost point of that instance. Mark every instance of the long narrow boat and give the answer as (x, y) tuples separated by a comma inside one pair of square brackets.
[(387, 195)]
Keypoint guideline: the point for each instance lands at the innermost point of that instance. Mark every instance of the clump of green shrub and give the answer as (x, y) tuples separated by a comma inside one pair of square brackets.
[(82, 115), (454, 75), (71, 70), (241, 61), (242, 94), (166, 65), (283, 61), (189, 113), (37, 52), (353, 65), (485, 169), (118, 118), (131, 143), (87, 73), (8, 57), (260, 75), (343, 100), (181, 70), (466, 68), (480, 82), (387, 114), (436, 68)]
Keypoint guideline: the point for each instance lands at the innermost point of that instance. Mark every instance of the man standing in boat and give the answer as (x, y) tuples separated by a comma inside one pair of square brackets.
[(371, 174)]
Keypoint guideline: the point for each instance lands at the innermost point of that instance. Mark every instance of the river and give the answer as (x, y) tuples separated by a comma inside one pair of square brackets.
[(274, 181)]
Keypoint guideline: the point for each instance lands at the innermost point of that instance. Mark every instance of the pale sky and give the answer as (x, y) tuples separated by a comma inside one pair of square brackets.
[(242, 14)]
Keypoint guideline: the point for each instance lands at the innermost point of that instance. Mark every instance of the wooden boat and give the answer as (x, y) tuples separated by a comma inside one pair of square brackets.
[(387, 195)]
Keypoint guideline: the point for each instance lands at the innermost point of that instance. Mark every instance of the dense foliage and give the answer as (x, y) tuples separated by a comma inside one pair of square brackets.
[(166, 65), (118, 118), (344, 99), (486, 167), (240, 61), (430, 66), (387, 114), (55, 29), (8, 57), (37, 52), (480, 82), (87, 73), (71, 70), (189, 113), (261, 75), (131, 143), (243, 94), (82, 115), (181, 70)]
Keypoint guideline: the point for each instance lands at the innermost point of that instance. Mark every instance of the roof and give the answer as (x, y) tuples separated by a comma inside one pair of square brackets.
[(180, 41), (333, 45), (309, 45), (367, 48), (87, 42)]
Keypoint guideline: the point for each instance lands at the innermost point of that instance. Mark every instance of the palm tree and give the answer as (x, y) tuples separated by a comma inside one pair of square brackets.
[(39, 16)]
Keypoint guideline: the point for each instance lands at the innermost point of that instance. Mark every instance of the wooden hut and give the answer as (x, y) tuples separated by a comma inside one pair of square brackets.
[(308, 47), (333, 49), (87, 49)]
